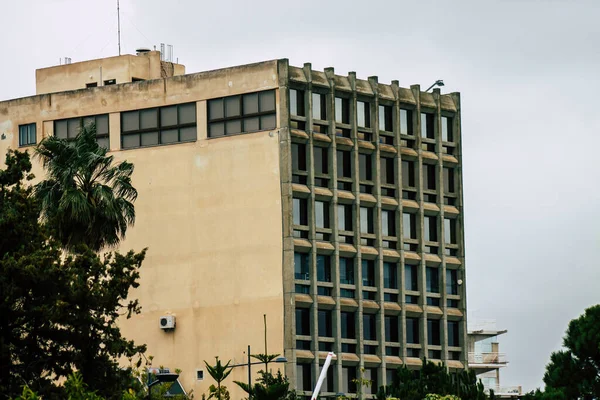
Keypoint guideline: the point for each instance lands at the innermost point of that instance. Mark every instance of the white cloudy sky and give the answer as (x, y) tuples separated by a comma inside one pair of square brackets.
[(528, 74)]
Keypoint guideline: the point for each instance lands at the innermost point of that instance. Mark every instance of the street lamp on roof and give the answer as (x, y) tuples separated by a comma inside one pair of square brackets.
[(439, 83)]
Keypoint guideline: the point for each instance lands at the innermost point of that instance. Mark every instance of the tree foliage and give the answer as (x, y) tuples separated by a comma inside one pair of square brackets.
[(574, 373), (86, 198), (269, 386), (58, 312), (219, 372), (433, 379)]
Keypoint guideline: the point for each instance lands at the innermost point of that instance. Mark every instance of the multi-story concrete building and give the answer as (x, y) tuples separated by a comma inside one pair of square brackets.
[(486, 359), (330, 204)]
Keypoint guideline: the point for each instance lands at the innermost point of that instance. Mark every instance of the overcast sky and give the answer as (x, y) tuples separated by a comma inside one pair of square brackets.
[(528, 74)]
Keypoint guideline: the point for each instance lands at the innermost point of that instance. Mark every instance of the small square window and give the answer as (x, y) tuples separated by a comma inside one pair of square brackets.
[(199, 375), (27, 134)]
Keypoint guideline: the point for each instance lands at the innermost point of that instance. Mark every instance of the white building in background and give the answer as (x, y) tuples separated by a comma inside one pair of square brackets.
[(485, 358)]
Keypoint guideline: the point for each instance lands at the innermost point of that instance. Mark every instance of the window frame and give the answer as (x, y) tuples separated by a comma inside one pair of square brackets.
[(159, 128), (28, 133), (82, 124), (242, 116)]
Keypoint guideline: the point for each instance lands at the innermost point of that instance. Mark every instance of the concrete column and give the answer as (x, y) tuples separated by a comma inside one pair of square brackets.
[(285, 169), (114, 131), (462, 289)]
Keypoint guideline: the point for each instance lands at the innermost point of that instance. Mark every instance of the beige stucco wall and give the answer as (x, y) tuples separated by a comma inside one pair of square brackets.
[(210, 214), (123, 68), (208, 211)]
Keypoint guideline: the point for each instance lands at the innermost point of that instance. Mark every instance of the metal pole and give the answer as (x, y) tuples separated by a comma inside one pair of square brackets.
[(266, 354), (322, 376), (119, 25), (149, 387), (249, 375)]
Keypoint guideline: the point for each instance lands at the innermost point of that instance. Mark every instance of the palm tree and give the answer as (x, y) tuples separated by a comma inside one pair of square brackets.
[(86, 198)]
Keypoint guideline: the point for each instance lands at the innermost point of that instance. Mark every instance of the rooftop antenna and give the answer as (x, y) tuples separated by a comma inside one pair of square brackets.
[(119, 26)]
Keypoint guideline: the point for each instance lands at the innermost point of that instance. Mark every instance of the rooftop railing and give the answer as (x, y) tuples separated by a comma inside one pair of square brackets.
[(487, 358)]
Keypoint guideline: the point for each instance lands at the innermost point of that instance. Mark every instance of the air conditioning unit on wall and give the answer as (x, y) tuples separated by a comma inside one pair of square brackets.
[(167, 322)]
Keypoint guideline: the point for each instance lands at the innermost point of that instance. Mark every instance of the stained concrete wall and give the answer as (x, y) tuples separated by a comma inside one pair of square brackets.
[(208, 211)]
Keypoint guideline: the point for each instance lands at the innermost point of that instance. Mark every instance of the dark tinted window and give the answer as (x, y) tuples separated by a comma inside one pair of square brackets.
[(385, 118), (70, 128), (323, 268), (298, 157), (453, 334), (390, 275), (447, 135), (158, 126), (297, 102), (363, 113), (387, 170), (301, 269), (412, 330), (427, 126), (388, 223), (319, 106), (302, 321), (300, 207), (348, 325), (450, 230), (27, 134), (411, 279), (321, 214), (409, 222), (342, 110), (430, 228), (433, 279), (345, 217), (433, 332), (366, 220), (325, 323), (391, 328), (321, 160), (347, 270), (408, 173), (369, 327), (344, 164), (429, 177), (241, 114), (365, 167), (451, 281), (448, 180), (368, 272), (406, 122)]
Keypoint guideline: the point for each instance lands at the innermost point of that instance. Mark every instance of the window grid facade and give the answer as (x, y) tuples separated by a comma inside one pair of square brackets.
[(362, 268), (69, 128), (245, 113), (158, 126)]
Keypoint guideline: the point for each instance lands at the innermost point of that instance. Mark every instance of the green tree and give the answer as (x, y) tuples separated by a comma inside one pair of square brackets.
[(86, 197), (219, 373), (575, 371), (433, 379), (58, 313), (269, 386)]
